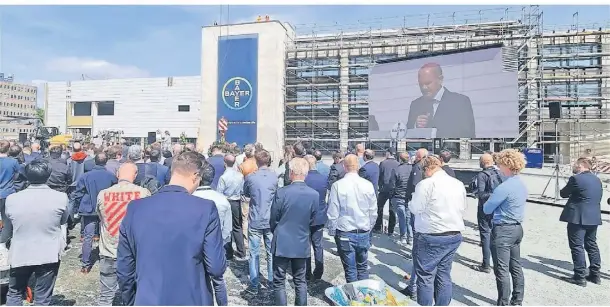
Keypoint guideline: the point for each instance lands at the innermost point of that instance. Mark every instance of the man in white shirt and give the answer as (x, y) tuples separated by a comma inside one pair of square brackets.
[(352, 212), (438, 205), (205, 191)]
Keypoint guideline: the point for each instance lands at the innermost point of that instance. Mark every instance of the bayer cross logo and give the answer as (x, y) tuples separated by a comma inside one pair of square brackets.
[(237, 93)]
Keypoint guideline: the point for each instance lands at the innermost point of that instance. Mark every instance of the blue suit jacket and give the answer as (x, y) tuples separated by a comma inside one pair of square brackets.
[(170, 245), (319, 183), (584, 193), (370, 172), (218, 162), (292, 213)]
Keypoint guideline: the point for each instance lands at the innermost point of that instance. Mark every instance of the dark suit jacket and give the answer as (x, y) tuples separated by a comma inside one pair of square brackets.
[(319, 182), (370, 172), (171, 243), (453, 118), (218, 162), (385, 174), (584, 193), (337, 171), (293, 212), (417, 175)]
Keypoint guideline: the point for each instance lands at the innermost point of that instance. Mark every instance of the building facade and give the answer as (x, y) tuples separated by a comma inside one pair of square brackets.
[(139, 107), (327, 78), (318, 77), (17, 109)]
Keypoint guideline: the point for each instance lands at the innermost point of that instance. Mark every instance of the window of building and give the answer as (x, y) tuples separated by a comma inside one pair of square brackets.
[(105, 108), (82, 108), (184, 108)]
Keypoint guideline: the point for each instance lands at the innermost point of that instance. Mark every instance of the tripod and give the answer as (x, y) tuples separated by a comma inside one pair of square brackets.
[(556, 171)]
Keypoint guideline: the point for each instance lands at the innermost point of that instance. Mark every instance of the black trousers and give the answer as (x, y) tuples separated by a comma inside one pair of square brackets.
[(45, 275), (236, 230), (484, 222), (506, 256), (316, 234), (583, 238), (280, 266), (382, 199)]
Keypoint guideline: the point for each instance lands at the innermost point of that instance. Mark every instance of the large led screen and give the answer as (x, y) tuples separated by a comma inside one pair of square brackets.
[(469, 94)]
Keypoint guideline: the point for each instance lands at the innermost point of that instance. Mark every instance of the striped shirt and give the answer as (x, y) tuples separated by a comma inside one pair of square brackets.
[(111, 208)]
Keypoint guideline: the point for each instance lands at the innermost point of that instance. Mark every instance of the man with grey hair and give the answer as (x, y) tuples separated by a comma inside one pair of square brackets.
[(293, 212), (176, 151), (319, 183)]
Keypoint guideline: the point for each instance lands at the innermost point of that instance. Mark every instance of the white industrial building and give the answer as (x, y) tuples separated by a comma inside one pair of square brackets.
[(136, 106)]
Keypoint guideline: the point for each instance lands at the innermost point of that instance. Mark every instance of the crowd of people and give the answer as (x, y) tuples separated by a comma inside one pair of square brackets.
[(169, 219)]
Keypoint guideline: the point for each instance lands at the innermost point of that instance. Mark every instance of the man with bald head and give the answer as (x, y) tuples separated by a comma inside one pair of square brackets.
[(111, 213), (487, 180), (449, 112), (352, 212)]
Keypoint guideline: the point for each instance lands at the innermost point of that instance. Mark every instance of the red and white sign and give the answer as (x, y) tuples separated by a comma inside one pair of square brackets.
[(223, 125)]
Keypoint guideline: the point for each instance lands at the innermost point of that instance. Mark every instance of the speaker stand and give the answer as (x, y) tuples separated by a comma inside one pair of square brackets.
[(556, 171)]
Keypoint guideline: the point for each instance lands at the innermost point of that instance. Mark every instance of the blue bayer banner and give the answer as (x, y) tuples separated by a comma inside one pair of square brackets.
[(238, 86)]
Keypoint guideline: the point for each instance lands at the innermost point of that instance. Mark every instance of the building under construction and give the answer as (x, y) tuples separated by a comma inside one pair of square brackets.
[(327, 78)]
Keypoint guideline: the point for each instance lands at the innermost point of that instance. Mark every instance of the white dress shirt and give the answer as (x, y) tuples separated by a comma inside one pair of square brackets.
[(224, 210), (438, 204), (437, 99), (352, 204)]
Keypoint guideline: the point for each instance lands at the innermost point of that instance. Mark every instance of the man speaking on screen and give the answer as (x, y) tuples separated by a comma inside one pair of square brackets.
[(450, 113)]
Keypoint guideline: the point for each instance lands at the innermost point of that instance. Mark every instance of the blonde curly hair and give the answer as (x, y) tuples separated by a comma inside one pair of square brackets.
[(511, 159)]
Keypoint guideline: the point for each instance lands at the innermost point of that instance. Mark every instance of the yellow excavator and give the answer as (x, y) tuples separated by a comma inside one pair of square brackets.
[(45, 135)]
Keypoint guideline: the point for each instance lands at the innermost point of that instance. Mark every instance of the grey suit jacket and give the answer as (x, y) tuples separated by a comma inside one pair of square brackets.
[(34, 219)]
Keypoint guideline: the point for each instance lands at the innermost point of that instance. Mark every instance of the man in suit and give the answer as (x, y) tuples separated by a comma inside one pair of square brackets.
[(582, 212), (37, 232), (337, 170), (169, 269), (370, 169), (85, 197), (450, 113), (445, 157), (386, 167), (217, 160), (318, 182), (293, 212)]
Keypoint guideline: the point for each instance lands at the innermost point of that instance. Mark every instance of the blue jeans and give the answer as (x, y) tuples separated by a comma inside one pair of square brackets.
[(404, 217), (89, 224), (413, 281), (254, 241), (353, 249), (433, 268)]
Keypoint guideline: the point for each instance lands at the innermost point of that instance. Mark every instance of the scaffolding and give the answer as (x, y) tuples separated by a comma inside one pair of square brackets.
[(327, 71)]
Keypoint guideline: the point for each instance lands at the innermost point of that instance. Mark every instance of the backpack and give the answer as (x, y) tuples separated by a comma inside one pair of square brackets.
[(494, 178), (150, 181)]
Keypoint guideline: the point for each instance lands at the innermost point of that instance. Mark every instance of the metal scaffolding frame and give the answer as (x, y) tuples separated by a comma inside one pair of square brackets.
[(327, 70)]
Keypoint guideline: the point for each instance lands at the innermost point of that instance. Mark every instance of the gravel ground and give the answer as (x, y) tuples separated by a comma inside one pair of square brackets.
[(544, 251)]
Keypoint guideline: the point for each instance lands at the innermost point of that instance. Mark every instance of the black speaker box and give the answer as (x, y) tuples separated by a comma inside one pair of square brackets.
[(555, 109)]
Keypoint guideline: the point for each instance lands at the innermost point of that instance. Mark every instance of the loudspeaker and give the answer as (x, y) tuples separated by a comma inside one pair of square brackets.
[(437, 146), (152, 137), (555, 109), (23, 137)]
